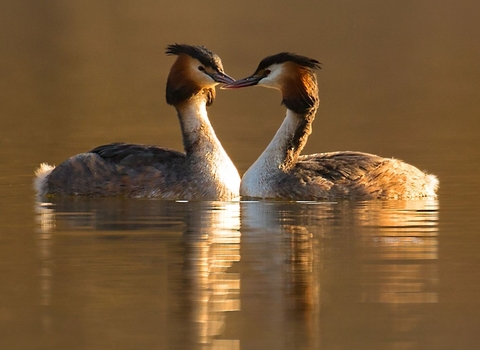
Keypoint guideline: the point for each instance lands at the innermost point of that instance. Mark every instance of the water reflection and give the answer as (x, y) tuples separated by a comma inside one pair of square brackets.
[(347, 266), (401, 261), (128, 252), (212, 239), (314, 274)]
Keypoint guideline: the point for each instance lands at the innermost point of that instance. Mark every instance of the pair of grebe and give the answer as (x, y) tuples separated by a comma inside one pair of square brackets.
[(205, 172)]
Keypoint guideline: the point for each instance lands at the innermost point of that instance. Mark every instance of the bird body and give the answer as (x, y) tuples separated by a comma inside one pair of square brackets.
[(203, 172), (281, 172)]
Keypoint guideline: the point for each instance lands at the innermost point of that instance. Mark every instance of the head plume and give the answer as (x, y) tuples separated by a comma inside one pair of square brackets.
[(201, 53), (283, 57)]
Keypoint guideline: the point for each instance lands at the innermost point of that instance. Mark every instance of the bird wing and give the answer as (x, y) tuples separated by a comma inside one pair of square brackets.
[(126, 154), (338, 166), (332, 175), (121, 168)]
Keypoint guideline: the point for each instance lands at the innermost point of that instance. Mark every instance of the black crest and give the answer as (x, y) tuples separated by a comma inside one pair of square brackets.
[(201, 53), (289, 57)]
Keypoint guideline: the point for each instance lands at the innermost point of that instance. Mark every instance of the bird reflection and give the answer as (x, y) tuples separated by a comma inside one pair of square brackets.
[(206, 234), (302, 282), (400, 262), (312, 272), (340, 256), (212, 240), (289, 230)]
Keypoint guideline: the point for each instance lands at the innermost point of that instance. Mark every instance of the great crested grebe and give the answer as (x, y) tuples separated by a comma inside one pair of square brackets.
[(203, 172), (281, 172)]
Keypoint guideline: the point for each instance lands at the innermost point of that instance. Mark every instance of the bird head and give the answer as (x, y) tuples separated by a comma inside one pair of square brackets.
[(195, 70), (292, 74)]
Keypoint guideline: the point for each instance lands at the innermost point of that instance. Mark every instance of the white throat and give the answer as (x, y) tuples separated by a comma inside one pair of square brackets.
[(256, 181), (194, 115), (206, 155)]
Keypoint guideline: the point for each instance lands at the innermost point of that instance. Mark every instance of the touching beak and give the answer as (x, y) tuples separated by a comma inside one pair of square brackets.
[(222, 78), (249, 81)]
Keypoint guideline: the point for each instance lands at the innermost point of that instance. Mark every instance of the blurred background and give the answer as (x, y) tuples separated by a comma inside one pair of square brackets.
[(398, 79)]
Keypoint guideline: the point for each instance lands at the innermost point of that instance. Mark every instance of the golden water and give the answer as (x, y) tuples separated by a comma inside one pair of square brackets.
[(396, 80)]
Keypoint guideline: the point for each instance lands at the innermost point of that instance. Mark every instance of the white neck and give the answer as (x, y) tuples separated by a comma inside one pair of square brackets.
[(255, 182), (205, 153), (197, 131)]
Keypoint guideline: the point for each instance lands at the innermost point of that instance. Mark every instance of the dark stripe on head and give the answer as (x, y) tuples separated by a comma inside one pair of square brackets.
[(201, 53), (288, 57)]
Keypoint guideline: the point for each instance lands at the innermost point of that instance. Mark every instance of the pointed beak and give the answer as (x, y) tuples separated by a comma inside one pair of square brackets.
[(220, 77), (249, 81)]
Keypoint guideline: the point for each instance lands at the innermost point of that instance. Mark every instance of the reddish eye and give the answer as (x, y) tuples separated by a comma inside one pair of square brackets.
[(266, 72)]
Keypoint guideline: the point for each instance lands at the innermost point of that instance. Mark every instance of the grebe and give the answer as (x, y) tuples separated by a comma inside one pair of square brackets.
[(203, 172), (282, 173)]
